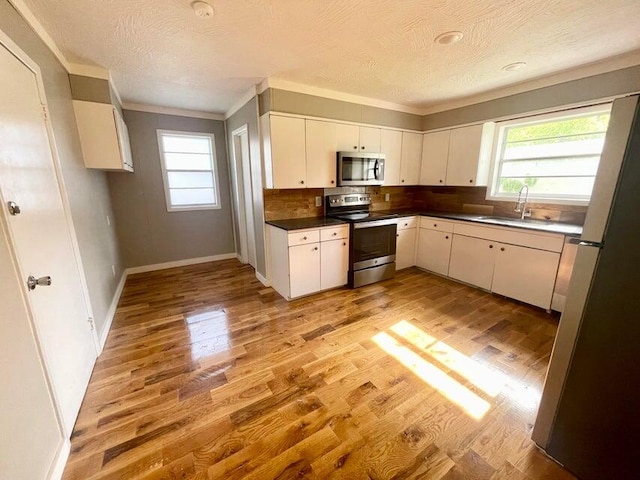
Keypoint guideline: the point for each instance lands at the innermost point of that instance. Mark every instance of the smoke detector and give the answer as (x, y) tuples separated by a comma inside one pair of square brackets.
[(202, 9), (512, 67), (448, 38)]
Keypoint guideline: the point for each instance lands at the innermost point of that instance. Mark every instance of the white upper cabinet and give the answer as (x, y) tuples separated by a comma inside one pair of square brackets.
[(435, 153), (284, 152), (459, 157), (104, 137), (411, 156), (391, 146), (321, 148), (348, 137), (370, 139)]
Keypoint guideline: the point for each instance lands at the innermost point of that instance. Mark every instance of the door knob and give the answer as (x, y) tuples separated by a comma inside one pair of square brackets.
[(14, 208), (33, 282)]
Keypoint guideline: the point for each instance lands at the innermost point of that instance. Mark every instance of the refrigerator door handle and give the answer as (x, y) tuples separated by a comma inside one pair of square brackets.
[(584, 243)]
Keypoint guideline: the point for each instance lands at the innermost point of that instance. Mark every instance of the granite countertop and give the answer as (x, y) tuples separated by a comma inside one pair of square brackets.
[(526, 224), (306, 222)]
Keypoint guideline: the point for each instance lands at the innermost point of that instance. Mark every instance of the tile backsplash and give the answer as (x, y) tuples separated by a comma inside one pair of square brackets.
[(298, 203)]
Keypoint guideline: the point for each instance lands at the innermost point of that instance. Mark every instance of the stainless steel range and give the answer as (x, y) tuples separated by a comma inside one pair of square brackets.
[(372, 244)]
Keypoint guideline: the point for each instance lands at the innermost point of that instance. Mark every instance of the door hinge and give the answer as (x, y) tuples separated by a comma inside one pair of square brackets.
[(45, 112), (91, 323)]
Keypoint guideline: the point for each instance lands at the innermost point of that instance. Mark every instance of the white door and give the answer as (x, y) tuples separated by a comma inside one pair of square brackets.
[(334, 263), (406, 248), (304, 269), (348, 137), (391, 146), (370, 139), (526, 274), (434, 250), (41, 237), (464, 155), (472, 261), (411, 158), (321, 148), (288, 152), (435, 153), (244, 193)]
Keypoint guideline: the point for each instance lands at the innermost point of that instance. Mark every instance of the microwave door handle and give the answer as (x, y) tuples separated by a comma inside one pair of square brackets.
[(375, 170)]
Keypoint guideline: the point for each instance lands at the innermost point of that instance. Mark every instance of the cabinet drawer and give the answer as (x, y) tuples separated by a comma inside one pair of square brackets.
[(438, 224), (513, 236), (407, 222), (302, 237), (334, 233)]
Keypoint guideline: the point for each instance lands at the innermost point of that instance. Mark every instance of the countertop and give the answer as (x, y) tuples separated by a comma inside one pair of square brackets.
[(306, 222), (526, 224)]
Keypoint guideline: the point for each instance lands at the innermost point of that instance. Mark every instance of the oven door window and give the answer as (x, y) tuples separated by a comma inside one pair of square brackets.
[(373, 242), (360, 169)]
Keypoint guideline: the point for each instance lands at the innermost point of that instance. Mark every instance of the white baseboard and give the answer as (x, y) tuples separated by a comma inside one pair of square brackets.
[(263, 280), (111, 313), (57, 467), (180, 263)]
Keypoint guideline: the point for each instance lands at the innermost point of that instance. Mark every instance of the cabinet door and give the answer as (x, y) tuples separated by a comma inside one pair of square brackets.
[(321, 157), (288, 152), (526, 274), (411, 158), (348, 137), (464, 155), (304, 269), (406, 248), (391, 146), (370, 139), (334, 263), (123, 141), (434, 250), (472, 260), (435, 152)]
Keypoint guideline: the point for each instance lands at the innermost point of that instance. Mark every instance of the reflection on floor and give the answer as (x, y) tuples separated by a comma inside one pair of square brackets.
[(208, 375)]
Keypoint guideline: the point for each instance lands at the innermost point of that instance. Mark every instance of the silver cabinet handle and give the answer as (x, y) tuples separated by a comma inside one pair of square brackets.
[(33, 282)]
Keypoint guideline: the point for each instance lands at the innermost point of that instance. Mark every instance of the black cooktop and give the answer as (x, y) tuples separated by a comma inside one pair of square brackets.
[(356, 217)]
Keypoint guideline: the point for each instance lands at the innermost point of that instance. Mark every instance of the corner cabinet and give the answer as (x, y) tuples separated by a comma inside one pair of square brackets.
[(284, 152), (104, 137), (308, 261), (457, 157)]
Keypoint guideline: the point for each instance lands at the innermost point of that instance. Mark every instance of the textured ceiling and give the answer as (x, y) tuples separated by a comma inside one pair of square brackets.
[(160, 53)]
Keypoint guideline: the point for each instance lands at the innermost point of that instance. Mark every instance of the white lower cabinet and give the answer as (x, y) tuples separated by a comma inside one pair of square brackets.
[(472, 260), (304, 269), (334, 263), (406, 248), (307, 261), (526, 274), (434, 249)]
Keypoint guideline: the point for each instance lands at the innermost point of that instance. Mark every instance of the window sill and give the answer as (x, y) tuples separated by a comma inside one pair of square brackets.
[(541, 200), (193, 209)]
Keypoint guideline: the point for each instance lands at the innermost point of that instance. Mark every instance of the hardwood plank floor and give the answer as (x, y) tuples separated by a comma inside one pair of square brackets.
[(207, 374)]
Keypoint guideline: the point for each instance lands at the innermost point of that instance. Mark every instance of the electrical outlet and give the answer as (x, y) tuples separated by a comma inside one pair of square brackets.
[(113, 270), (318, 201), (386, 197), (108, 221)]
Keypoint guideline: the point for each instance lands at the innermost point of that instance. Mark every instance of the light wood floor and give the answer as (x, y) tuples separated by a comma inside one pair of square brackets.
[(208, 375)]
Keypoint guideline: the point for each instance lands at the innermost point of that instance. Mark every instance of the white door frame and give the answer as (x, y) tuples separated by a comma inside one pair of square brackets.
[(16, 51), (243, 192)]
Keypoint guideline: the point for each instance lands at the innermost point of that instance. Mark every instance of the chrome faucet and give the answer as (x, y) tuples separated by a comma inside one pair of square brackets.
[(521, 205)]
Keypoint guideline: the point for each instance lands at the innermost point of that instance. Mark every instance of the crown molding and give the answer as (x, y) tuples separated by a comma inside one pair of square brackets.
[(138, 107), (238, 104), (609, 65), (274, 82)]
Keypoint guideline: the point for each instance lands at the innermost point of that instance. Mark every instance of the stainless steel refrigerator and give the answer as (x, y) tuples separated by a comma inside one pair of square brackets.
[(589, 416)]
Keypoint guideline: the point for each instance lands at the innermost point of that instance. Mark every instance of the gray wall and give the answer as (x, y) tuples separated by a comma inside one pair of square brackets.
[(285, 101), (596, 87), (149, 234), (248, 115), (87, 189)]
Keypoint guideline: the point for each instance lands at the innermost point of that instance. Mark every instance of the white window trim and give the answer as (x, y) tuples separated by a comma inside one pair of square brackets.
[(497, 144), (165, 178)]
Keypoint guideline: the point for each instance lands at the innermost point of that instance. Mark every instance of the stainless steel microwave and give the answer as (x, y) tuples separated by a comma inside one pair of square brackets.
[(360, 168)]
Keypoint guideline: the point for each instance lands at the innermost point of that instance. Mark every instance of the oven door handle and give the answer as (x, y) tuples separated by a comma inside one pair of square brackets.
[(376, 223)]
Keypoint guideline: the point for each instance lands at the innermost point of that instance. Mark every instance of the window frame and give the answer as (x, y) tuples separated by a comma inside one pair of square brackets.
[(497, 152), (165, 177)]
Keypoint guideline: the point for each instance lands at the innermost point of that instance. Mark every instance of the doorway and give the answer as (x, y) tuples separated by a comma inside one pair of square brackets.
[(244, 194)]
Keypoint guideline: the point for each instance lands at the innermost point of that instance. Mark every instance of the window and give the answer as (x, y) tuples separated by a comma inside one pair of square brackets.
[(189, 170), (555, 155)]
